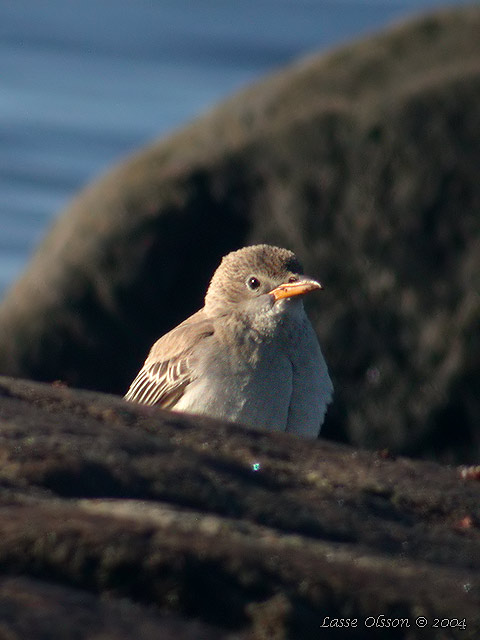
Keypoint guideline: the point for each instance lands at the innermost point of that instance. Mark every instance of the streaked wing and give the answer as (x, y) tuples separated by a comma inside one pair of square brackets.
[(169, 366)]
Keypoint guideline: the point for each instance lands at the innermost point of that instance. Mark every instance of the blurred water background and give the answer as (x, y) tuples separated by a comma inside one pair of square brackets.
[(85, 82)]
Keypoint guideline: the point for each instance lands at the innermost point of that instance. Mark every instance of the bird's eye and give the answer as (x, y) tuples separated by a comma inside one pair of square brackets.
[(253, 283), (293, 279)]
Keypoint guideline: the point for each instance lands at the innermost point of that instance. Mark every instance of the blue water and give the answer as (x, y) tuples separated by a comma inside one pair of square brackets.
[(85, 82)]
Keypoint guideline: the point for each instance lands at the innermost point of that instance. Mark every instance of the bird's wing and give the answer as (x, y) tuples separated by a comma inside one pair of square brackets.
[(169, 366)]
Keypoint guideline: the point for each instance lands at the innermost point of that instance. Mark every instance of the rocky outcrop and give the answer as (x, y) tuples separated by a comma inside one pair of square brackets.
[(365, 162), (121, 521)]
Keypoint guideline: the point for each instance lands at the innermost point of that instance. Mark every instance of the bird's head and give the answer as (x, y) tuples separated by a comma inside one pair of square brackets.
[(258, 277)]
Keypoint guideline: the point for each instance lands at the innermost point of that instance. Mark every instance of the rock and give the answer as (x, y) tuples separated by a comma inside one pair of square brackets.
[(114, 514), (38, 610), (365, 162)]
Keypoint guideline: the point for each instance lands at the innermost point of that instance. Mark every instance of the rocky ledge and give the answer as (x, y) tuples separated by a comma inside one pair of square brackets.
[(121, 521)]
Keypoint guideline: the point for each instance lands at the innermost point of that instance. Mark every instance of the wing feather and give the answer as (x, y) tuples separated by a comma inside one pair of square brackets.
[(169, 367)]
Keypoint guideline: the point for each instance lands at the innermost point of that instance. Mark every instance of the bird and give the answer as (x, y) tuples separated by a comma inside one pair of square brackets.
[(250, 355)]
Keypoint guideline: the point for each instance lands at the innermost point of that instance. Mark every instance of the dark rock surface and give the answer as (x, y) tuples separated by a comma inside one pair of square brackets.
[(120, 521), (365, 162), (35, 609)]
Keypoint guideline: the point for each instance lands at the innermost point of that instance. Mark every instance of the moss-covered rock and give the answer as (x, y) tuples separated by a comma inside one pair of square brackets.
[(218, 531)]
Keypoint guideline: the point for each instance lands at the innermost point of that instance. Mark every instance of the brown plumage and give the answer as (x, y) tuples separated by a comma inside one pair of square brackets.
[(249, 355)]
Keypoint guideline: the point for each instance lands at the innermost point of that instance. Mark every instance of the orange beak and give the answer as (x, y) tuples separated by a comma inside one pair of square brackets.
[(290, 289)]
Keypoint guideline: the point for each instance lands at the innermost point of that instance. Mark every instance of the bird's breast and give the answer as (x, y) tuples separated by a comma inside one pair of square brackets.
[(278, 382), (251, 384)]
